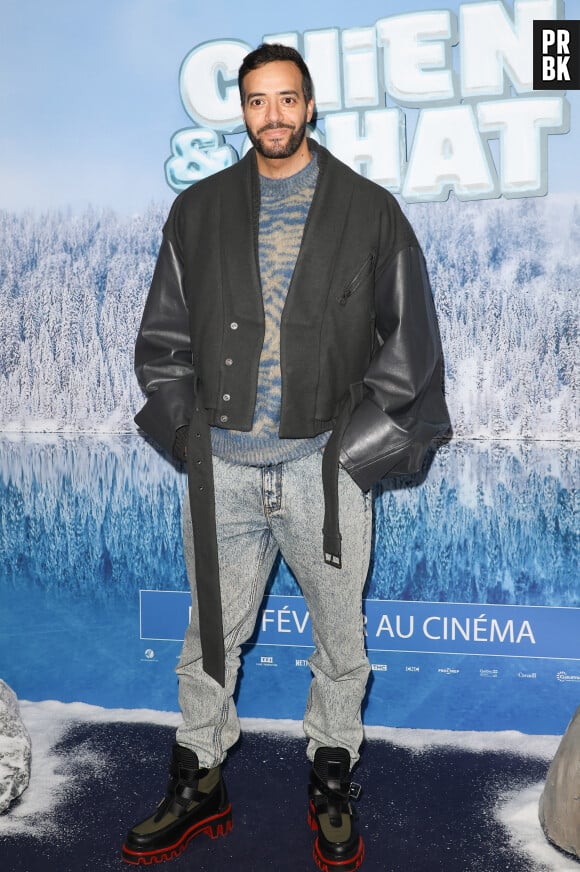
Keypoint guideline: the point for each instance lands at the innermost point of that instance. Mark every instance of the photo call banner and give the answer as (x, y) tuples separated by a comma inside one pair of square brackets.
[(468, 114)]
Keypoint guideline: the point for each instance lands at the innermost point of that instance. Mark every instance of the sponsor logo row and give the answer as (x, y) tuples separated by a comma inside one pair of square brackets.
[(484, 672)]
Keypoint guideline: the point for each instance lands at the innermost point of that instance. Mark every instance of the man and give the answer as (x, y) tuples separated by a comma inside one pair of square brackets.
[(290, 353)]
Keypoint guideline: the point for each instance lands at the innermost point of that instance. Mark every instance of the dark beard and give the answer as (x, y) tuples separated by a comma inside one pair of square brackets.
[(278, 151)]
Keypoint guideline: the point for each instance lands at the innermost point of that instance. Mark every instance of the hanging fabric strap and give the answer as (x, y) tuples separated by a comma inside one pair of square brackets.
[(202, 504), (330, 463)]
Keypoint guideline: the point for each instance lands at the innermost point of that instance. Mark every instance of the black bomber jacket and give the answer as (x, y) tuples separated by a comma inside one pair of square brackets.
[(360, 352), (359, 310)]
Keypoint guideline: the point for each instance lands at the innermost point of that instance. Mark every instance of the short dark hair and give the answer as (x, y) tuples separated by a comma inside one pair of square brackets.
[(268, 52)]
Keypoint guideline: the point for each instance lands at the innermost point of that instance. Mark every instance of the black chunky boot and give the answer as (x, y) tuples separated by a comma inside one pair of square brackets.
[(338, 846), (196, 802)]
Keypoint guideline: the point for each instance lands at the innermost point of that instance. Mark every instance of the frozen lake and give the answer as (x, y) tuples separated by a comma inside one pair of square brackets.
[(87, 523)]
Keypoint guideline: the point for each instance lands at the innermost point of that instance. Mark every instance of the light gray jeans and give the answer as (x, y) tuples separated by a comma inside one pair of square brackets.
[(260, 511)]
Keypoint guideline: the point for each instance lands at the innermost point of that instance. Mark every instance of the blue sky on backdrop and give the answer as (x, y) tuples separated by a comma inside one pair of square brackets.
[(89, 95)]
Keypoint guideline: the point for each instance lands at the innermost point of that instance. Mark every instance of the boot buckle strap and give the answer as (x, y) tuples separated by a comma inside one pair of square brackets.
[(354, 790)]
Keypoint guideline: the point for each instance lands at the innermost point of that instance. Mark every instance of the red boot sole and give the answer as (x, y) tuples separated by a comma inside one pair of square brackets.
[(214, 827), (326, 864)]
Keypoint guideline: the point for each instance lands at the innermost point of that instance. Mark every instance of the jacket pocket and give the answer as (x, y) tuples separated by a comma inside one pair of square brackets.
[(354, 284)]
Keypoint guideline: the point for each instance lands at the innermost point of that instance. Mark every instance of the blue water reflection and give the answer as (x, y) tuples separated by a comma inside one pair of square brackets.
[(87, 522)]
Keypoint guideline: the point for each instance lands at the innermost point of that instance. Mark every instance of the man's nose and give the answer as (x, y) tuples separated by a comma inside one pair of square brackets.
[(273, 111)]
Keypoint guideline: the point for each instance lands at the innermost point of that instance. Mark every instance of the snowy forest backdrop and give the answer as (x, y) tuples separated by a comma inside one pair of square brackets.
[(493, 522), (505, 276)]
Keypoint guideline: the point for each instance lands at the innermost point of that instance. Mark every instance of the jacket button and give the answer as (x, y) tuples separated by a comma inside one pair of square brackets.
[(226, 397), (223, 418), (228, 361), (234, 325)]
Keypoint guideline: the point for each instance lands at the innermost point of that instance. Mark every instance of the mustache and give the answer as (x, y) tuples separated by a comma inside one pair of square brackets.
[(275, 125)]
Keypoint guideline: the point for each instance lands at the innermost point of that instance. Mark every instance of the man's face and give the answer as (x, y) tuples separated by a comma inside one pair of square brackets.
[(275, 111)]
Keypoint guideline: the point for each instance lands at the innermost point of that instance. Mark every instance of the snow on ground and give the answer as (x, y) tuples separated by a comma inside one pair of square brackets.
[(519, 813), (52, 778)]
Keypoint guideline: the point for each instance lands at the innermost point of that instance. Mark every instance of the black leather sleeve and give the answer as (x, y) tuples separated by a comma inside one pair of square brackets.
[(403, 408), (163, 355)]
